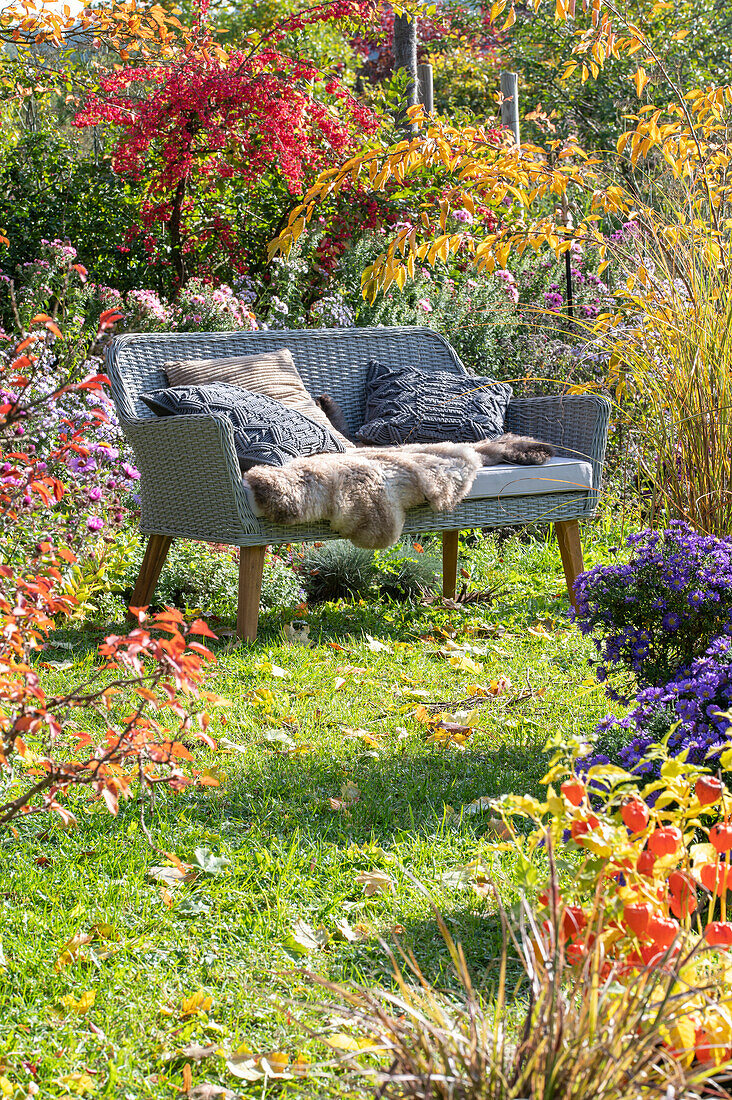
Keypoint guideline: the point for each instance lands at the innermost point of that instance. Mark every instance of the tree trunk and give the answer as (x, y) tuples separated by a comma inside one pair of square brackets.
[(176, 242), (405, 57)]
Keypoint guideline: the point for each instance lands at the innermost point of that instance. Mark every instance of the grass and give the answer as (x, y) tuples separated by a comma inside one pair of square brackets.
[(338, 726)]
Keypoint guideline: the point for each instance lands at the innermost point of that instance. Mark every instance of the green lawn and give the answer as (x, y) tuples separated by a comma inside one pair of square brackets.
[(326, 776)]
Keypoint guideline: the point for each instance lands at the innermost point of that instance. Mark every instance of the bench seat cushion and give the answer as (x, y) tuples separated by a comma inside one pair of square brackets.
[(558, 475)]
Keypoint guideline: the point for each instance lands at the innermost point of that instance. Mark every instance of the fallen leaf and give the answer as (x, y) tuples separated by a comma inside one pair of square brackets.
[(301, 1065), (275, 1064), (476, 689), (84, 1003), (80, 1084), (464, 663), (232, 746), (350, 792), (172, 876), (365, 736), (209, 863), (210, 1092), (196, 1052), (72, 949), (244, 1067), (304, 939), (500, 686), (196, 1002), (344, 931), (187, 1078), (340, 1041), (375, 882)]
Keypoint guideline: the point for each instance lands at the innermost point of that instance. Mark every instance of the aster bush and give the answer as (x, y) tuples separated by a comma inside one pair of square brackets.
[(690, 714), (653, 615)]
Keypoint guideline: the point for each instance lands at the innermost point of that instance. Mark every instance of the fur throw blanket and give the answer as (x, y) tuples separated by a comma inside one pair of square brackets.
[(365, 493)]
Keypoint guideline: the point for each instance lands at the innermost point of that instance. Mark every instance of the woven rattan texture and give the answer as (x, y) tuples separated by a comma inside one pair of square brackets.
[(191, 485), (331, 361)]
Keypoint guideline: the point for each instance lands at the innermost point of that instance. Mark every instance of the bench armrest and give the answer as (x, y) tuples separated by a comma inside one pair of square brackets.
[(577, 425), (190, 483)]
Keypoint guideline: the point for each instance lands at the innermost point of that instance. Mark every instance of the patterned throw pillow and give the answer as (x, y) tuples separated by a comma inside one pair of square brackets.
[(272, 373), (415, 405), (265, 430)]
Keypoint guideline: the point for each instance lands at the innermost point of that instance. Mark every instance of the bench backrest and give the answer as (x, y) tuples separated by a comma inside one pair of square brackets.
[(332, 361)]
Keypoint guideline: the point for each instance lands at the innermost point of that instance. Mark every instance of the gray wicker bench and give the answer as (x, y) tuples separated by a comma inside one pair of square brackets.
[(191, 486)]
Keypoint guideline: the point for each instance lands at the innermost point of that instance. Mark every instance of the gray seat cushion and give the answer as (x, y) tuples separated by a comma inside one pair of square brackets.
[(558, 475), (265, 430), (408, 404)]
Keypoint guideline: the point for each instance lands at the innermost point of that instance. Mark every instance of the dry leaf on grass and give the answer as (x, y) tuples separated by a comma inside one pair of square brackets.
[(172, 876), (375, 882)]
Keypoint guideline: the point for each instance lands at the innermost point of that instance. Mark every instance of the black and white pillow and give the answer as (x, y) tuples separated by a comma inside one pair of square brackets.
[(410, 404), (266, 432)]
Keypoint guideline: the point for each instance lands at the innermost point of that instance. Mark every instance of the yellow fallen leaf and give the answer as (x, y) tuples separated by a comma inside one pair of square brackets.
[(341, 1041), (464, 663), (275, 1063), (80, 1084), (301, 1065), (196, 1002), (476, 689), (84, 1003)]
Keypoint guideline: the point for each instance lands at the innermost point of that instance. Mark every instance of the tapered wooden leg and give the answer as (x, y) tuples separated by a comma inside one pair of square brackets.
[(450, 540), (156, 552), (570, 548), (251, 565)]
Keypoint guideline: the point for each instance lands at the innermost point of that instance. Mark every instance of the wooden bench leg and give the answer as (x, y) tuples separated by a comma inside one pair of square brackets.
[(570, 548), (450, 541), (251, 565), (156, 552)]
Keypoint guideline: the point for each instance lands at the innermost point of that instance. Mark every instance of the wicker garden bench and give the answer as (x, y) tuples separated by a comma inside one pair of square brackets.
[(192, 488)]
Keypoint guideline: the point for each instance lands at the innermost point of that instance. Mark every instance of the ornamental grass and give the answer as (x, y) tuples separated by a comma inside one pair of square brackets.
[(672, 359), (562, 1032)]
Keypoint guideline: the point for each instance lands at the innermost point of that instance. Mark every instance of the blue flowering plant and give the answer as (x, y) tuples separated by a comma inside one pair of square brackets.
[(690, 715), (654, 615)]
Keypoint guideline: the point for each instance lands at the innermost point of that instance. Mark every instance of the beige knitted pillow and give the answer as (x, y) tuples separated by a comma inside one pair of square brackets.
[(272, 373)]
